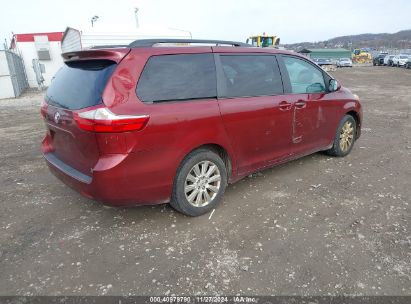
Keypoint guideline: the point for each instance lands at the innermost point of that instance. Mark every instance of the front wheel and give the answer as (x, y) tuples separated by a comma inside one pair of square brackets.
[(200, 183), (344, 137)]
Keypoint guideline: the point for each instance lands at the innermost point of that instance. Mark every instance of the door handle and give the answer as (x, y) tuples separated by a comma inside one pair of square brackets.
[(300, 104), (284, 106)]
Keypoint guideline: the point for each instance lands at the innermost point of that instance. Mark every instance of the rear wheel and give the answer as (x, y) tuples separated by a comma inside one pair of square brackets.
[(344, 137), (200, 183)]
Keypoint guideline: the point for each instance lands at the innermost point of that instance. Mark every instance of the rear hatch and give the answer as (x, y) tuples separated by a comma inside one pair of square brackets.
[(76, 86)]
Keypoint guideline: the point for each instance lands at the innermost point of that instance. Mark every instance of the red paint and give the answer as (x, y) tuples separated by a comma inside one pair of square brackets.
[(138, 167)]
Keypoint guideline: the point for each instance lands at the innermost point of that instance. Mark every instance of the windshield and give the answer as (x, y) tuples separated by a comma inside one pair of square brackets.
[(266, 41)]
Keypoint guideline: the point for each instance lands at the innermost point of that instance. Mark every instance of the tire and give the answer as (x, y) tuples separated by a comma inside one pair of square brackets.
[(202, 195), (346, 131)]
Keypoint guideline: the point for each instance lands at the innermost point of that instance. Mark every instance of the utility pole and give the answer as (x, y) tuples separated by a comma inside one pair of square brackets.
[(136, 16), (94, 19)]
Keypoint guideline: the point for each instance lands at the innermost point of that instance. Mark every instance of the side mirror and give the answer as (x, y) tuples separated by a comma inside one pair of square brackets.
[(333, 85)]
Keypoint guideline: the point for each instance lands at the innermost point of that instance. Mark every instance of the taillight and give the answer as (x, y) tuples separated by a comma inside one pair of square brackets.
[(43, 109), (103, 120)]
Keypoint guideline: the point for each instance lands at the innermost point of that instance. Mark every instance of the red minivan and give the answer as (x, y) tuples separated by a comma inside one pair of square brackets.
[(177, 120)]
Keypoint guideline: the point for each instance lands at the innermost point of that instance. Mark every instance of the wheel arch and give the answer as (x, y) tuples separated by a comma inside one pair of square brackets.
[(357, 119), (220, 151)]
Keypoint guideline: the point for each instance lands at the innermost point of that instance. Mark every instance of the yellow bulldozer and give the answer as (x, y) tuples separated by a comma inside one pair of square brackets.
[(264, 41), (361, 56)]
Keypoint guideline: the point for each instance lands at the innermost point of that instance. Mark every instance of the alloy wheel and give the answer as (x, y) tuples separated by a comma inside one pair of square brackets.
[(202, 183), (346, 136)]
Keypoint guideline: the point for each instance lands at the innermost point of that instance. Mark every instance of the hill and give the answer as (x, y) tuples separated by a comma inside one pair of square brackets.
[(400, 40)]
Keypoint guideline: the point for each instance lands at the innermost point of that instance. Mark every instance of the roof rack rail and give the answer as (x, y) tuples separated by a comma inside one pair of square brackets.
[(108, 46), (151, 42)]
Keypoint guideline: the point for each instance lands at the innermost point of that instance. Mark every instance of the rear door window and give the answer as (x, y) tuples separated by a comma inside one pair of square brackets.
[(79, 84), (178, 77), (304, 77), (250, 75)]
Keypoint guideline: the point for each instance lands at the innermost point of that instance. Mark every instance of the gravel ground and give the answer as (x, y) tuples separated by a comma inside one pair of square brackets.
[(314, 226)]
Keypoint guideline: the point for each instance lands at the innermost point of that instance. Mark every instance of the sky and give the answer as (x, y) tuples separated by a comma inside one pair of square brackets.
[(291, 20)]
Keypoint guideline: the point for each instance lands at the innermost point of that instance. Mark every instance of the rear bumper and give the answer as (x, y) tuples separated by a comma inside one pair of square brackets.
[(114, 181), (69, 171)]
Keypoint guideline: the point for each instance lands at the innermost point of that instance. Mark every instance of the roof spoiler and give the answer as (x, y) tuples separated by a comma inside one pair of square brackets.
[(115, 55)]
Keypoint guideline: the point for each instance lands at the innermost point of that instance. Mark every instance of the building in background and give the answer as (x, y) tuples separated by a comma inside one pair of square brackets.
[(326, 53), (41, 54), (76, 40)]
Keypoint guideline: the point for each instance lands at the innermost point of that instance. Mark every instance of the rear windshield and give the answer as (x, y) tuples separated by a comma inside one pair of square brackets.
[(79, 84)]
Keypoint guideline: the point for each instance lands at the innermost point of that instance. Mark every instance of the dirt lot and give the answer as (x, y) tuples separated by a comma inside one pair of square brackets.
[(315, 226)]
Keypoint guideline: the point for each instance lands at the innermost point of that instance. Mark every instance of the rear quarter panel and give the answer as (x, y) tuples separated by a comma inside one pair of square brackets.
[(174, 128)]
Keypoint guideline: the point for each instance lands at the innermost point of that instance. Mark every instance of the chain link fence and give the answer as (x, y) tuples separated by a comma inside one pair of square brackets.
[(17, 73)]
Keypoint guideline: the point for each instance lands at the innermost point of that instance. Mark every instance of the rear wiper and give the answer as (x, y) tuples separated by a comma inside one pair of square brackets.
[(54, 102)]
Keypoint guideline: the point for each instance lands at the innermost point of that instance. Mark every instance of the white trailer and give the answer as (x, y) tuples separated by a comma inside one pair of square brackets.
[(76, 40)]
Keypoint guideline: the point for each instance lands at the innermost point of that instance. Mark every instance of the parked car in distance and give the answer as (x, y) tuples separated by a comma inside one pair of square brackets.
[(395, 60), (142, 124), (322, 61), (388, 60), (408, 63), (399, 60), (402, 60), (344, 62), (379, 59)]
